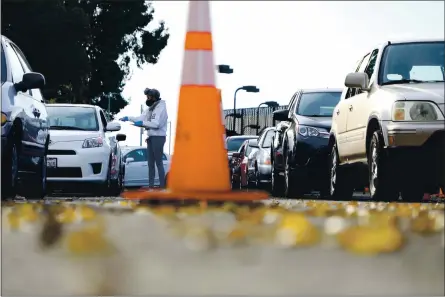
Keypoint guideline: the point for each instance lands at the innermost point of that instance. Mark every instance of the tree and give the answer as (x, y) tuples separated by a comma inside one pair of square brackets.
[(84, 48)]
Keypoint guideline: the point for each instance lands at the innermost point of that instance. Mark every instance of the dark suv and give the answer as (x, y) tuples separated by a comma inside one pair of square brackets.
[(25, 136)]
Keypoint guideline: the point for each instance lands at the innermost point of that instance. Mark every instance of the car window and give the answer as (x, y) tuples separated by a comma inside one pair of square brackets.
[(103, 119), (267, 142), (15, 64), (371, 65), (72, 118), (293, 101), (242, 148), (4, 68), (138, 155), (25, 64), (360, 68), (233, 144)]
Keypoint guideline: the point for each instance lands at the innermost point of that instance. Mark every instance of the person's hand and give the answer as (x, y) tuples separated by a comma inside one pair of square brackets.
[(124, 119), (138, 123)]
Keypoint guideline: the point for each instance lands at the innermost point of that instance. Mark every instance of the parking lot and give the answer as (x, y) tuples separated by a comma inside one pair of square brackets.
[(108, 246)]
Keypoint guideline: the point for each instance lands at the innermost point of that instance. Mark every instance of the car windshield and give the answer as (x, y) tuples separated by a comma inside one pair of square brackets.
[(233, 144), (413, 62), (320, 104), (72, 118)]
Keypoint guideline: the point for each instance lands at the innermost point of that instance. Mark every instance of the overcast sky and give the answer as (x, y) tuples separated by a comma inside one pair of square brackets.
[(279, 47)]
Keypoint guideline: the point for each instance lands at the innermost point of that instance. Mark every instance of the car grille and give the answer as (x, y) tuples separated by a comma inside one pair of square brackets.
[(61, 152), (64, 172)]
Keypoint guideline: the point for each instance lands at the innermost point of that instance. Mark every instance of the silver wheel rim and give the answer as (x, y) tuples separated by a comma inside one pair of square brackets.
[(14, 166), (374, 170), (333, 173)]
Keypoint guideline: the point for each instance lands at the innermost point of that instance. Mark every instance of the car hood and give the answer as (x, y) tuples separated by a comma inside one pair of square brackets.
[(319, 122), (71, 135), (424, 91)]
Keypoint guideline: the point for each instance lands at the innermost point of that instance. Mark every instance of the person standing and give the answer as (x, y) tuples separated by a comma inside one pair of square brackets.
[(154, 120)]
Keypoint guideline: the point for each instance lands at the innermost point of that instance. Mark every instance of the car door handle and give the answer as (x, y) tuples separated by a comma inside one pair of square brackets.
[(350, 108), (144, 165), (338, 111)]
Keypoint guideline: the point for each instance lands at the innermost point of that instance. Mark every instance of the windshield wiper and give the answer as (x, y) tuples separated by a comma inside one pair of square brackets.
[(66, 128), (317, 116), (403, 81)]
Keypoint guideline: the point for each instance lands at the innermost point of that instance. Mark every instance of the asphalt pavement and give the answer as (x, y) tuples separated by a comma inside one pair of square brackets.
[(96, 247)]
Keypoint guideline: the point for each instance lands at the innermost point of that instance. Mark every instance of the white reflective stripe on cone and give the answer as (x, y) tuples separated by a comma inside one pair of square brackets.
[(204, 75), (198, 17)]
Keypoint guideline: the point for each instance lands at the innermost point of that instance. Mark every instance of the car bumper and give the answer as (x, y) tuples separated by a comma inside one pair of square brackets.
[(265, 173), (424, 163), (311, 158), (410, 134), (79, 165)]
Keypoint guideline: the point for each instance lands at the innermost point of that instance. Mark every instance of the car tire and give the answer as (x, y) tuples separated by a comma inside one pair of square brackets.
[(340, 187), (10, 165), (277, 183), (37, 187), (290, 189), (381, 186)]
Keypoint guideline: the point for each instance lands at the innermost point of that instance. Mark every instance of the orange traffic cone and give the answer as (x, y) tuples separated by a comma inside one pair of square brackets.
[(199, 168), (441, 193)]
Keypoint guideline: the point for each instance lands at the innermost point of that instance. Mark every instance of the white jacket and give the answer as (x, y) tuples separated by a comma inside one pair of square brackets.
[(155, 121)]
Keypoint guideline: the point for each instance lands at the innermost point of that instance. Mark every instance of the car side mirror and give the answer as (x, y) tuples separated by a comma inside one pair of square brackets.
[(121, 137), (113, 126), (129, 160), (358, 80), (30, 80), (236, 155), (281, 115)]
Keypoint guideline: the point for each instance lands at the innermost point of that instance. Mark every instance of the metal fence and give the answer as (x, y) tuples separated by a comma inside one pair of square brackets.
[(249, 117)]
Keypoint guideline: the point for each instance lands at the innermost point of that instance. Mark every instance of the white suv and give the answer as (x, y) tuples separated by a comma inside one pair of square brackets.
[(388, 129)]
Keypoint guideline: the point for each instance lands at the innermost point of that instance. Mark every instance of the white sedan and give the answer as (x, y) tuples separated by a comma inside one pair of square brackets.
[(136, 166), (83, 150)]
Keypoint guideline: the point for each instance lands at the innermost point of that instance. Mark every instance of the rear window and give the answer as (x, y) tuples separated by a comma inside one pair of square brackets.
[(72, 118), (4, 72), (233, 144)]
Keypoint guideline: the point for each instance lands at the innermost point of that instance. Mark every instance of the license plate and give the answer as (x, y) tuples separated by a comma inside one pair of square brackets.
[(51, 162)]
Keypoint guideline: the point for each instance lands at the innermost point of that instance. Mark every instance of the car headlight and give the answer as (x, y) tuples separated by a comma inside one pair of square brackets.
[(93, 142), (307, 131), (4, 118), (418, 111)]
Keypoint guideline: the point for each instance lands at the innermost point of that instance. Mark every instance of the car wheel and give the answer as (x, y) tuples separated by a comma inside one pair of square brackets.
[(37, 187), (10, 173), (235, 183), (277, 183), (381, 186), (340, 186), (290, 189)]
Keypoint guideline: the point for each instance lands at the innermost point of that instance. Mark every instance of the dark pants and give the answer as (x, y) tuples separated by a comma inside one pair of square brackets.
[(155, 150)]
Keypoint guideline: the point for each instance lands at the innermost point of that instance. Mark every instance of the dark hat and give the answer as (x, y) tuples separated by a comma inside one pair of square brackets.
[(155, 94), (147, 91)]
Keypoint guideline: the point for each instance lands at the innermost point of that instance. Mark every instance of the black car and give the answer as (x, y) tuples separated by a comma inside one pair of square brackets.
[(277, 156), (25, 136), (305, 141)]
